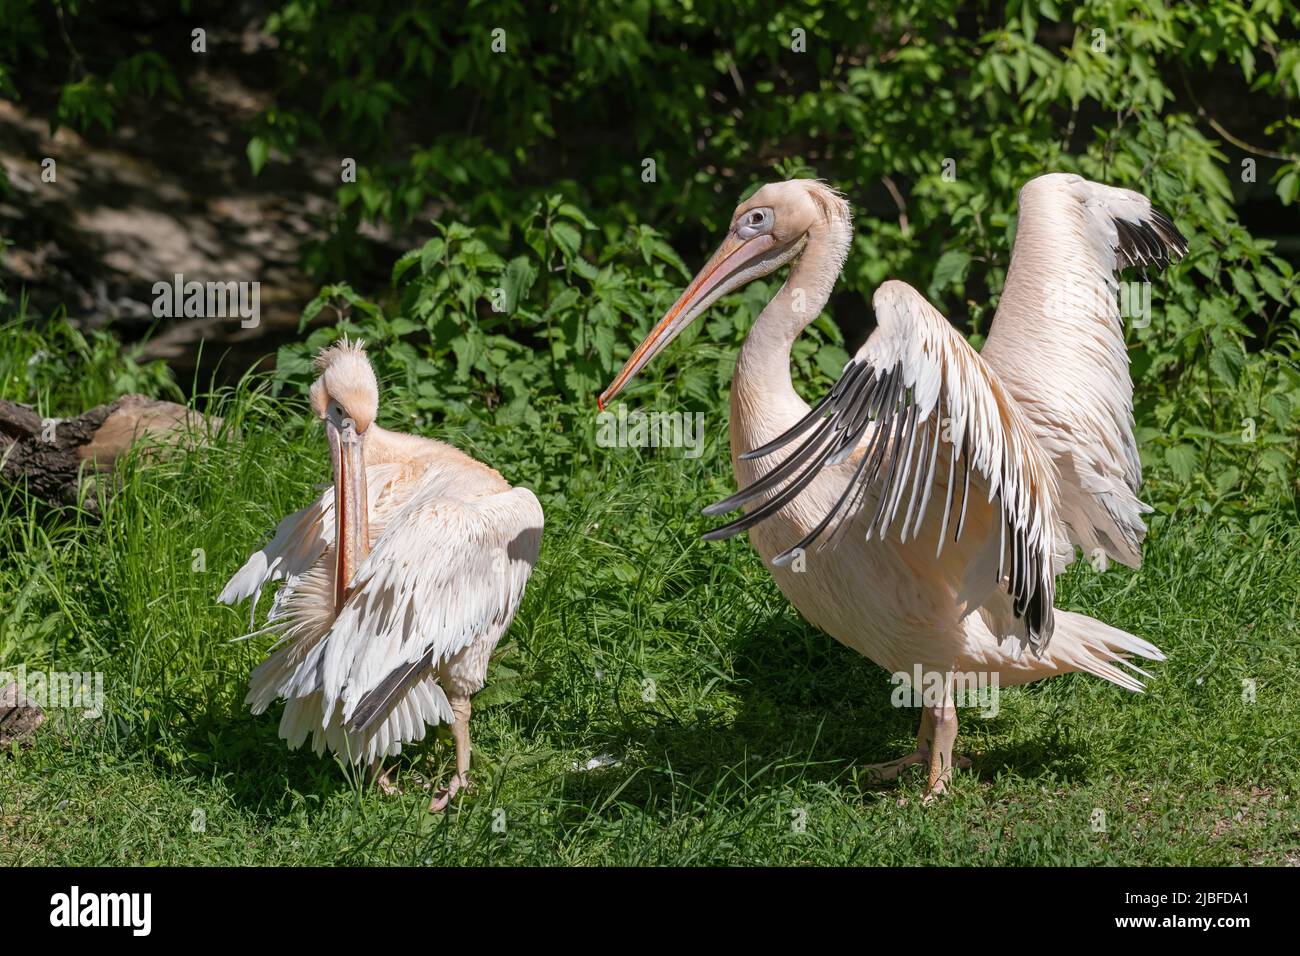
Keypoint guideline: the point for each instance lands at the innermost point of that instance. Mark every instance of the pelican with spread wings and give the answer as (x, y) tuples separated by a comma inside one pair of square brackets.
[(398, 583), (920, 512)]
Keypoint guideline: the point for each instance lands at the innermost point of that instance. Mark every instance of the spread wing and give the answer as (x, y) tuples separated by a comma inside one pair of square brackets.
[(444, 572), (930, 413), (1057, 344)]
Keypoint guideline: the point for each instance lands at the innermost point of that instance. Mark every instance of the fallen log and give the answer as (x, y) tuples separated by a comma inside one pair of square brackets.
[(52, 457)]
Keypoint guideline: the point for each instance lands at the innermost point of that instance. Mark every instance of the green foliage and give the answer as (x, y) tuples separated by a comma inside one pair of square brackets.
[(904, 93), (882, 90), (504, 122), (61, 371), (90, 100), (526, 338), (755, 714), (549, 259)]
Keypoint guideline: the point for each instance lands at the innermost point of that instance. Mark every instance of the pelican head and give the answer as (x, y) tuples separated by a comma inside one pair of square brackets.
[(345, 396), (345, 391), (768, 230)]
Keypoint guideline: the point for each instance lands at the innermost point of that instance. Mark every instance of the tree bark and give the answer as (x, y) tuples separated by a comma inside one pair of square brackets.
[(51, 457)]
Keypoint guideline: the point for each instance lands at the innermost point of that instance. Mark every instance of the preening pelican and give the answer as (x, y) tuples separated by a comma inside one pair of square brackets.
[(398, 583), (920, 513)]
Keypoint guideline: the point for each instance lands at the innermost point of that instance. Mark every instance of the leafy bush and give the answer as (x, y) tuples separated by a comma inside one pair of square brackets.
[(883, 93), (503, 121), (527, 342)]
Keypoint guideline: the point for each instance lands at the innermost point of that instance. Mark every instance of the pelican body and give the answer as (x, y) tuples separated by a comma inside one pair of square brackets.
[(920, 512), (399, 581)]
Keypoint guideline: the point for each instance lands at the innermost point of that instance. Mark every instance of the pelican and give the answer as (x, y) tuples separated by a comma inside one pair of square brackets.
[(398, 583), (921, 511)]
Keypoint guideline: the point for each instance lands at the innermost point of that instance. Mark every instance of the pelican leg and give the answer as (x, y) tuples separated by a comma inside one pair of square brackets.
[(380, 778), (891, 769), (944, 720), (460, 734)]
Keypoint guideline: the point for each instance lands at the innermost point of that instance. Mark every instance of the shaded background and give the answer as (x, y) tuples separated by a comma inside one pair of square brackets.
[(225, 163)]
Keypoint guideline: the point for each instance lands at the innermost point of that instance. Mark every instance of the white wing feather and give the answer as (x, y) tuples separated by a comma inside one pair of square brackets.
[(445, 573), (1057, 344), (299, 541), (915, 385)]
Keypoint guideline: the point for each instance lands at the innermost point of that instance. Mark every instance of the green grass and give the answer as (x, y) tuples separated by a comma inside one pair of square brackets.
[(744, 753)]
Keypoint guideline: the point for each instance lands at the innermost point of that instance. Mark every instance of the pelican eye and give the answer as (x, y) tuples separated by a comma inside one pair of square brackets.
[(755, 222)]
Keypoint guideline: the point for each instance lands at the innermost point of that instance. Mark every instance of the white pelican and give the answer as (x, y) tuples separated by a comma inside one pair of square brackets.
[(1029, 444), (399, 581)]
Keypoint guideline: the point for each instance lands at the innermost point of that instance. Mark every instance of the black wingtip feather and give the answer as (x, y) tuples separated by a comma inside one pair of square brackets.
[(851, 374), (1154, 241), (379, 701)]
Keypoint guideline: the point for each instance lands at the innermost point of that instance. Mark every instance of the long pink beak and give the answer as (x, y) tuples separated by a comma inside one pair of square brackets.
[(732, 255), (351, 509)]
